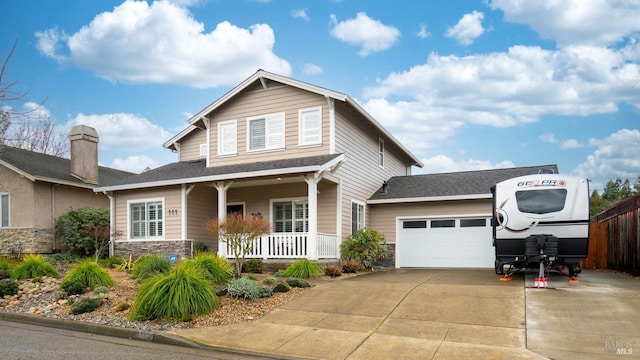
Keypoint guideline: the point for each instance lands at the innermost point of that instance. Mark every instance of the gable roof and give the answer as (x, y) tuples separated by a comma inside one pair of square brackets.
[(197, 171), (262, 76), (450, 186), (42, 167)]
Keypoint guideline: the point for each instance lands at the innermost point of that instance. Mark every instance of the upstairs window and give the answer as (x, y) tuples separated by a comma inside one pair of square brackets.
[(4, 210), (203, 149), (146, 219), (310, 124), (266, 132), (381, 152), (227, 137)]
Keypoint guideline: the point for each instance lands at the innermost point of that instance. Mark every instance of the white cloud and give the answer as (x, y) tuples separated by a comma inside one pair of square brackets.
[(423, 33), (371, 35), (548, 138), (312, 69), (593, 22), (571, 144), (300, 14), (615, 156), (163, 43), (468, 28), (444, 164), (123, 131), (134, 163)]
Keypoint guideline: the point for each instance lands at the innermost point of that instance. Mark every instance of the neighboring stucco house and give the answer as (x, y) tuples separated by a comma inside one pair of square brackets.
[(319, 167), (36, 188), (305, 157)]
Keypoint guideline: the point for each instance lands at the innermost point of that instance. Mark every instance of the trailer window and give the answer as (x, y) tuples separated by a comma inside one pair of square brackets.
[(541, 201)]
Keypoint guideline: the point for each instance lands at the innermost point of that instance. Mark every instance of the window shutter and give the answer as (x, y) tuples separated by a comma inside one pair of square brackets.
[(227, 139), (275, 132), (311, 127)]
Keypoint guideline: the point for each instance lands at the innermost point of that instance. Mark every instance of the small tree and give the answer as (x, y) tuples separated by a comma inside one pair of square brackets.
[(365, 246), (239, 232)]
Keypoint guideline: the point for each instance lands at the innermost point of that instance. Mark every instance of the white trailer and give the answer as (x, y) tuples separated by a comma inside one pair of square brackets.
[(540, 221)]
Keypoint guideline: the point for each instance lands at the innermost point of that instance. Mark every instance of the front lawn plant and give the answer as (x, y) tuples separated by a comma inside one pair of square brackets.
[(365, 246), (303, 269), (89, 274), (212, 266), (33, 265)]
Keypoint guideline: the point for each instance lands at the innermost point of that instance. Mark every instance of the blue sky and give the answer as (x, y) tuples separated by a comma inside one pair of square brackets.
[(467, 86)]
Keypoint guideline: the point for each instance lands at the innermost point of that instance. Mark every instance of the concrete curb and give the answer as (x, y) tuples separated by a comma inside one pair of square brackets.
[(98, 329)]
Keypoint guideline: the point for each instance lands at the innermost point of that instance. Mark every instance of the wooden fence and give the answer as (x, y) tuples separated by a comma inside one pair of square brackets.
[(614, 237)]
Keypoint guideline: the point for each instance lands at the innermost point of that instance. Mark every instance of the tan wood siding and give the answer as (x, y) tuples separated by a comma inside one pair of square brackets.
[(384, 215), (172, 201), (361, 174), (190, 145), (262, 102), (202, 205), (22, 207)]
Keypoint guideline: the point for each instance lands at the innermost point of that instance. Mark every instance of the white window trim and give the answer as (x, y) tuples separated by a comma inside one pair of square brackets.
[(301, 126), (146, 200), (243, 203), (203, 150), (267, 117), (292, 200), (220, 147), (381, 152), (364, 215), (8, 209)]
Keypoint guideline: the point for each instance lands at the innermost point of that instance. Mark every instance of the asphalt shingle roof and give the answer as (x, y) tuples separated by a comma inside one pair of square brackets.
[(53, 167), (453, 184), (198, 168)]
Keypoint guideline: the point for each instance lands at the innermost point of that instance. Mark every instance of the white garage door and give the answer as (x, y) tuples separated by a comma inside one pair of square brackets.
[(452, 242)]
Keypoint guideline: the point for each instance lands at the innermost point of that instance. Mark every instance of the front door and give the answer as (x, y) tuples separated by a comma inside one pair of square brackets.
[(235, 208)]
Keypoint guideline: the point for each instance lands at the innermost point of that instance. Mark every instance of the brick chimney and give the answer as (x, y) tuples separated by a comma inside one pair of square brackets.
[(84, 153)]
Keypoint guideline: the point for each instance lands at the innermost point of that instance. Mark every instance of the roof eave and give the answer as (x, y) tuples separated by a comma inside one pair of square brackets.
[(429, 199)]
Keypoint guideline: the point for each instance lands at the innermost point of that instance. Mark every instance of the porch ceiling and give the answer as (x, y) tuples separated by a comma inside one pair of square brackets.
[(189, 172)]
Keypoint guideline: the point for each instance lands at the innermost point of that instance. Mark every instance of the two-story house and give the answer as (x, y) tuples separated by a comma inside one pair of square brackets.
[(305, 157), (319, 167)]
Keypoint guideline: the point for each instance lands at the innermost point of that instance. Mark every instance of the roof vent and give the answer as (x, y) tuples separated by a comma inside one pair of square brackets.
[(385, 188)]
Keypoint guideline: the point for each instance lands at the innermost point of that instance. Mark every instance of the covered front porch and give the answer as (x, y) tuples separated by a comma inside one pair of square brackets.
[(291, 246)]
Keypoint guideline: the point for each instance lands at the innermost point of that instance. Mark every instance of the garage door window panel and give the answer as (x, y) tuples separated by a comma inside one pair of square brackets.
[(473, 223), (449, 223), (418, 224)]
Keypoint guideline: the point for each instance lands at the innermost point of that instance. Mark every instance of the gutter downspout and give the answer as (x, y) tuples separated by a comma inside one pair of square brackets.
[(112, 220)]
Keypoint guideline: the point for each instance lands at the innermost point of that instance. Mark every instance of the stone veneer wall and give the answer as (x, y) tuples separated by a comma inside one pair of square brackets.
[(388, 261), (14, 242), (183, 249)]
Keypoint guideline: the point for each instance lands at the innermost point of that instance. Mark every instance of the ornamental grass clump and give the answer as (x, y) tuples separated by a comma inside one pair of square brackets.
[(150, 265), (178, 295), (303, 269), (89, 274), (213, 267), (33, 265)]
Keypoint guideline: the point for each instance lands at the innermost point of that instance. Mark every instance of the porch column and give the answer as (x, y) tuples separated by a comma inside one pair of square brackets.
[(222, 187), (312, 194)]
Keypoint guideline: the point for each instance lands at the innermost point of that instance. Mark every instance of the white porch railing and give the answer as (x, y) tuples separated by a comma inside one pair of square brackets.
[(291, 246)]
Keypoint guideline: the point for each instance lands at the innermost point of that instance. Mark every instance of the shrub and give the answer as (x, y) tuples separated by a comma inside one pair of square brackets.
[(84, 305), (279, 272), (123, 306), (32, 266), (303, 269), (180, 294), (212, 266), (351, 266), (270, 280), (150, 265), (282, 286), (74, 287), (243, 288), (84, 231), (111, 262), (5, 264), (332, 270), (60, 258), (89, 274), (9, 287), (299, 283), (101, 290), (5, 274), (265, 291), (255, 266), (200, 247), (365, 246)]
